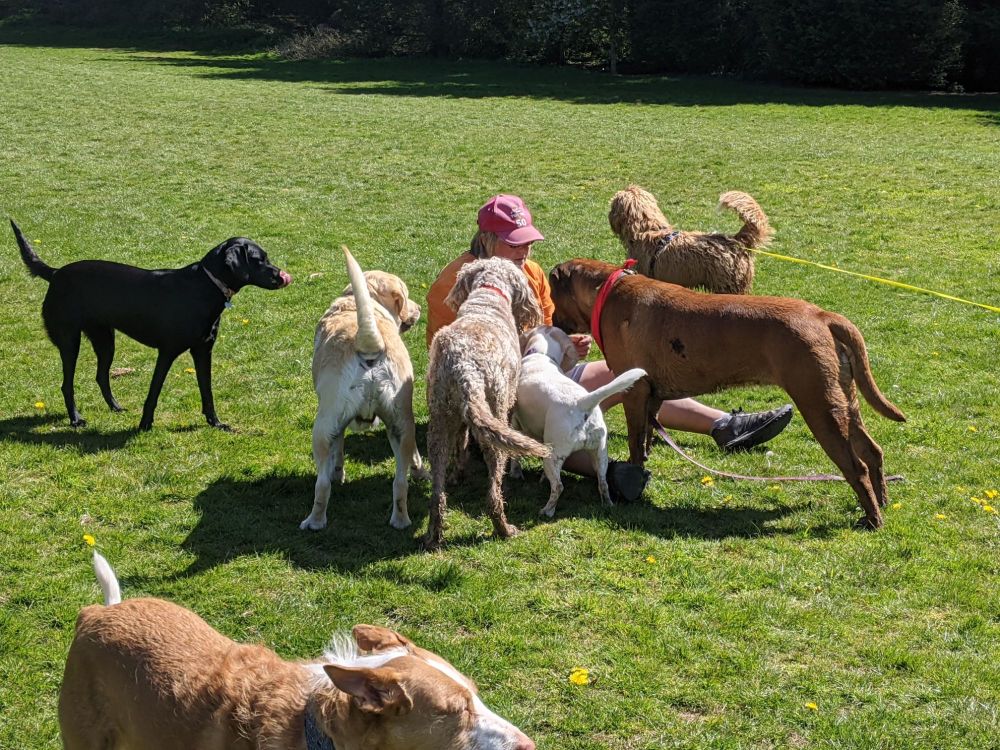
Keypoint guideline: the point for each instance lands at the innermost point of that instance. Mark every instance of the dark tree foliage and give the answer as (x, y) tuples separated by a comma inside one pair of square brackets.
[(852, 43)]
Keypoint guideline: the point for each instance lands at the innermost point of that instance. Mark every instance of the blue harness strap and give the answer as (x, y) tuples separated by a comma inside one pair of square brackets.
[(316, 739)]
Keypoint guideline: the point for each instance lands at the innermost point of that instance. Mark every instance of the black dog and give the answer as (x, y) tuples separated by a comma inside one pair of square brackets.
[(172, 310)]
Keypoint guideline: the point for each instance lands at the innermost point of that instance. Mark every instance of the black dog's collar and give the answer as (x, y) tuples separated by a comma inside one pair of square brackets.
[(315, 737), (226, 291)]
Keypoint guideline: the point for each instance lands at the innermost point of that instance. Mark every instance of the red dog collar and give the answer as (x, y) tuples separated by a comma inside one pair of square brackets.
[(602, 297), (496, 289)]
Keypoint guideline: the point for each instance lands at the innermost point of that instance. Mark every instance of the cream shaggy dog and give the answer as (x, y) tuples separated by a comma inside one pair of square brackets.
[(720, 263), (145, 673), (472, 382), (551, 407), (362, 373)]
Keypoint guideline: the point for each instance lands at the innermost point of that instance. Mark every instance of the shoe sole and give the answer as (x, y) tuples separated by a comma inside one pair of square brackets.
[(762, 434)]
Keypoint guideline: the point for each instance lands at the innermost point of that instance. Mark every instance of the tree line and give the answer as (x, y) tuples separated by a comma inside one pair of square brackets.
[(939, 44)]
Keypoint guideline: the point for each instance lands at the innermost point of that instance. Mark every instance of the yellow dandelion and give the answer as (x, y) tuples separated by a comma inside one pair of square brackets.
[(39, 404), (189, 370), (897, 506), (580, 676), (960, 487), (651, 560), (727, 499), (976, 500), (973, 428), (774, 487), (991, 494), (707, 481), (812, 706), (989, 509), (935, 354), (89, 539), (940, 516), (245, 321)]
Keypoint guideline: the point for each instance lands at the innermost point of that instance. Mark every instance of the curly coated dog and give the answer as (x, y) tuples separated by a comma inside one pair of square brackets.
[(690, 343), (720, 263), (472, 382)]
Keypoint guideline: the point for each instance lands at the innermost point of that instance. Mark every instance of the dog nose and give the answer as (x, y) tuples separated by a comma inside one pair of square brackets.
[(524, 743), (286, 278)]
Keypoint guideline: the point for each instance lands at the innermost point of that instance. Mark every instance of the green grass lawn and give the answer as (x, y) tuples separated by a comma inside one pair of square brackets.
[(734, 615)]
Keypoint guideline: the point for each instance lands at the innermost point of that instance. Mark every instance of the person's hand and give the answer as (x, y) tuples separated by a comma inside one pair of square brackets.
[(581, 342)]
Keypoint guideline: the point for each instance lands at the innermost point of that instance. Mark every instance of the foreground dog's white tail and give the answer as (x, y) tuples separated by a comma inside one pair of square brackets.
[(622, 383), (107, 580), (369, 341), (756, 230)]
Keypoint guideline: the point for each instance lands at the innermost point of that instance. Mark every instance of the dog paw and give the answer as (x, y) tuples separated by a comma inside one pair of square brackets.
[(868, 524), (313, 524), (507, 531), (431, 542), (81, 422), (548, 511)]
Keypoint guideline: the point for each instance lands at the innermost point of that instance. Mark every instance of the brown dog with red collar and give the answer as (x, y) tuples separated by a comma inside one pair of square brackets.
[(691, 343)]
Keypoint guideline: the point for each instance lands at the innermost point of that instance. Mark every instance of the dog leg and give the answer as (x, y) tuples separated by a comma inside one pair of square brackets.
[(829, 424), (403, 448), (636, 404), (202, 356), (163, 361), (553, 471), (495, 463), (328, 455), (103, 341), (69, 350), (871, 453), (439, 449), (600, 458)]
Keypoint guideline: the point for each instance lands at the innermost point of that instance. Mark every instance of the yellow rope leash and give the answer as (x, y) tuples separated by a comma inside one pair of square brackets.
[(890, 282)]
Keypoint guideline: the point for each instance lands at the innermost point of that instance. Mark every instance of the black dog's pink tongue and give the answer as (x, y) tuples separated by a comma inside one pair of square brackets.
[(286, 277)]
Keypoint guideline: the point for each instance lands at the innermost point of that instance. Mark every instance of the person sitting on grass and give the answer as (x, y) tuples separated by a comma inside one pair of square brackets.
[(505, 230)]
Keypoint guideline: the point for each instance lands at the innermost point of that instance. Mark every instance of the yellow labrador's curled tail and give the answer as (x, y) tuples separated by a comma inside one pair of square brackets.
[(848, 335), (487, 429), (368, 342), (107, 580), (756, 230)]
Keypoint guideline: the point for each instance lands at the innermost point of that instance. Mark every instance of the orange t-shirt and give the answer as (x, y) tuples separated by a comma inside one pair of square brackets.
[(440, 315)]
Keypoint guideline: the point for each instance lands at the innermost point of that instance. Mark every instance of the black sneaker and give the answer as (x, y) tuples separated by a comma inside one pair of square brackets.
[(739, 431), (626, 481)]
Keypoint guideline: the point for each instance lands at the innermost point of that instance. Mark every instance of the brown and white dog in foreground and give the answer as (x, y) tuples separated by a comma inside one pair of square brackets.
[(472, 383), (362, 373), (720, 263), (690, 343), (145, 674)]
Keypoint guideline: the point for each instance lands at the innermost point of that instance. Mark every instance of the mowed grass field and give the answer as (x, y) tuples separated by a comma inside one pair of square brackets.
[(724, 615)]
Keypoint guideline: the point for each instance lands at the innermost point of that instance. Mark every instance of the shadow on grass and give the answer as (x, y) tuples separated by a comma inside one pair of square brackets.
[(237, 56), (29, 431), (261, 515)]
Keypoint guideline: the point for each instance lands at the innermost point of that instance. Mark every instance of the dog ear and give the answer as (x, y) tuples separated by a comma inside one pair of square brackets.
[(377, 691), (237, 261), (375, 638)]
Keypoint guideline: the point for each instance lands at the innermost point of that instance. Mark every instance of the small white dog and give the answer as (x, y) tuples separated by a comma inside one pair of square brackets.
[(554, 409), (362, 373)]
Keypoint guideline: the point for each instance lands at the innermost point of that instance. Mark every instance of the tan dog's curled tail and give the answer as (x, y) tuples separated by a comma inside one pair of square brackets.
[(756, 231), (847, 334), (488, 429), (369, 340), (107, 580)]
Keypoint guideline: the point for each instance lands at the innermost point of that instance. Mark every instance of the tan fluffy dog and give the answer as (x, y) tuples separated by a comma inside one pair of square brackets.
[(145, 674), (472, 382), (720, 263), (690, 343), (362, 373)]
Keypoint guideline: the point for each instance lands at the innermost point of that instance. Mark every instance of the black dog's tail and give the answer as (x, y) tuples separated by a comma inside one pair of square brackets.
[(35, 265)]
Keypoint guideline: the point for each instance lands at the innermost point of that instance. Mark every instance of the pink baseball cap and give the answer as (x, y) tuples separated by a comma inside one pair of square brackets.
[(509, 219)]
